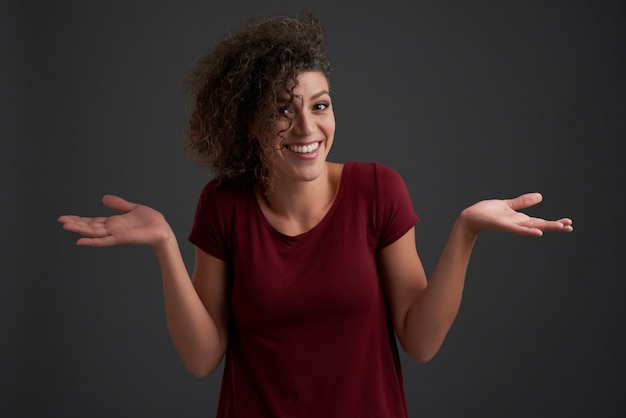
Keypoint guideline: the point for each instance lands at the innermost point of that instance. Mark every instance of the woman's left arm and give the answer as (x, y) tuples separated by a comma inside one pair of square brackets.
[(423, 311)]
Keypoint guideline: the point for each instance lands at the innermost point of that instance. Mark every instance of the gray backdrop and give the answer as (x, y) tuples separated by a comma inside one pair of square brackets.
[(467, 100)]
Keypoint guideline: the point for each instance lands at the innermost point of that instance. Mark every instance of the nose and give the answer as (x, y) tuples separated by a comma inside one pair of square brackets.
[(304, 123)]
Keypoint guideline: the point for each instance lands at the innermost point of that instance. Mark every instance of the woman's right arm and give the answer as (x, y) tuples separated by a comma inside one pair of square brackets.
[(196, 310)]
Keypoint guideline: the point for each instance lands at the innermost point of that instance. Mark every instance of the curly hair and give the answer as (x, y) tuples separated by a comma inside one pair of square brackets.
[(237, 88)]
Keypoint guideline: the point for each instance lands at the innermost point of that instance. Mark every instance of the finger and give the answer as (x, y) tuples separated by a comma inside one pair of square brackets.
[(106, 241), (527, 231), (72, 222), (67, 218), (566, 221), (92, 227), (117, 203), (85, 220), (525, 200), (562, 225)]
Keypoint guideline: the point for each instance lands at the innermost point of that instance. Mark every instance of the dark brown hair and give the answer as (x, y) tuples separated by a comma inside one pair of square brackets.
[(236, 88)]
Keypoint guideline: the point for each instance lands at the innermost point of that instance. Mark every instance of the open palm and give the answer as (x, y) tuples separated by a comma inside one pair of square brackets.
[(138, 224), (504, 216)]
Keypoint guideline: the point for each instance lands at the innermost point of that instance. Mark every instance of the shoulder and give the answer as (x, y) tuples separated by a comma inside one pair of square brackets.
[(386, 200), (218, 204), (378, 181), (372, 173), (217, 189), (220, 197), (373, 182), (217, 207)]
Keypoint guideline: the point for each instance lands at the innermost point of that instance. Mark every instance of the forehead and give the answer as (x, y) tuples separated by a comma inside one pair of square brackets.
[(310, 83)]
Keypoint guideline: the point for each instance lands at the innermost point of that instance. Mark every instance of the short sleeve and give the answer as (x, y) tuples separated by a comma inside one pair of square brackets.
[(208, 230), (394, 209)]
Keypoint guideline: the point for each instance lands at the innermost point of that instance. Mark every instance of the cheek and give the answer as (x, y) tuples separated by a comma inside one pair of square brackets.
[(330, 129), (279, 131), (329, 124), (281, 124)]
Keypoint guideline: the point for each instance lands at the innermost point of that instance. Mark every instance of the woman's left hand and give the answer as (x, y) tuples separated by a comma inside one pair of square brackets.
[(503, 216)]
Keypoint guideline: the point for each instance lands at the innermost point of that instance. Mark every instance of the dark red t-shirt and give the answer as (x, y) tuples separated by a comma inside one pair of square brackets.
[(310, 335)]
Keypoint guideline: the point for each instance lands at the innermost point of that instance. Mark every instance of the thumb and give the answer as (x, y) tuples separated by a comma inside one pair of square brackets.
[(117, 203), (525, 200)]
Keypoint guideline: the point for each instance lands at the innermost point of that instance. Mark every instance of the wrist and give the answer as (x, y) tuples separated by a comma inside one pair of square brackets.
[(463, 226), (165, 242)]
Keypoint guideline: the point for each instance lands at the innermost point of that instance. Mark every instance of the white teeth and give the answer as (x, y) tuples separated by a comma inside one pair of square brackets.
[(303, 149)]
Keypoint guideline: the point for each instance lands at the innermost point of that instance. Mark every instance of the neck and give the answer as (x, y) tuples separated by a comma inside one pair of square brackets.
[(296, 207), (296, 199)]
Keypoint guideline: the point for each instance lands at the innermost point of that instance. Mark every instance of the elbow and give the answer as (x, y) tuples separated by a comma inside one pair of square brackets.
[(203, 368), (201, 358), (422, 352), (423, 356), (201, 371)]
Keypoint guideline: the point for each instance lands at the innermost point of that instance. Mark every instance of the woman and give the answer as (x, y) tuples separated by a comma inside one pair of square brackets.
[(305, 270)]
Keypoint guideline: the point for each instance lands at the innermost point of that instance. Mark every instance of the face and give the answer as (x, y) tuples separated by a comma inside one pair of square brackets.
[(305, 132)]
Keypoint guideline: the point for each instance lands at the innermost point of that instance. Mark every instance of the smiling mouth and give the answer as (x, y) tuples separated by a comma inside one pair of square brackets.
[(303, 149)]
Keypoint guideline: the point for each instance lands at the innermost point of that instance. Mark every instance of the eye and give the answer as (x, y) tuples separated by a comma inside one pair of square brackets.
[(285, 111), (321, 106)]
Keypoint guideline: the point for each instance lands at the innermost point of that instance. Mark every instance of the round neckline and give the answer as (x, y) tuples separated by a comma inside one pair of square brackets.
[(340, 191)]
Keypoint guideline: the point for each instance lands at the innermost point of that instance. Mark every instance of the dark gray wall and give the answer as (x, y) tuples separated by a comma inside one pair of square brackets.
[(468, 100)]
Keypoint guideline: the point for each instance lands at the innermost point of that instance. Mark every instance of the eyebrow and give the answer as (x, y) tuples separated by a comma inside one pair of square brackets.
[(315, 96), (284, 100), (320, 93)]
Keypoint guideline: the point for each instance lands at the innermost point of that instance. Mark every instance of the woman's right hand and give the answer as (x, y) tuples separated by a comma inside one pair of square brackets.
[(138, 224)]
